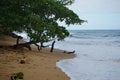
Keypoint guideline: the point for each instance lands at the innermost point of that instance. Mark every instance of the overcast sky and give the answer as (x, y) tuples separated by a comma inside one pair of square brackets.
[(101, 14)]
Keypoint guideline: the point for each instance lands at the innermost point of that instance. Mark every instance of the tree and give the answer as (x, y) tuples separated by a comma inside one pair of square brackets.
[(38, 18), (52, 46)]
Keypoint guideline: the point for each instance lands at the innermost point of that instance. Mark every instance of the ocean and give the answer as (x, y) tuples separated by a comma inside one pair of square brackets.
[(97, 55)]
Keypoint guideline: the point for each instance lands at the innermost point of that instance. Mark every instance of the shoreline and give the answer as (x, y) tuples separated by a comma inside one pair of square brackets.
[(38, 65)]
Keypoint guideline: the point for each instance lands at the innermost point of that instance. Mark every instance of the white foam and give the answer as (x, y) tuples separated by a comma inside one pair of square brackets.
[(92, 62)]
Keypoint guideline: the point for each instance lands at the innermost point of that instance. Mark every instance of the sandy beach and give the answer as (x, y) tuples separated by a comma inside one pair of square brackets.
[(39, 65)]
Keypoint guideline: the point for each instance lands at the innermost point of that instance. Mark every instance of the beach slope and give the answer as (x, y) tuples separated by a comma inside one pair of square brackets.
[(38, 65)]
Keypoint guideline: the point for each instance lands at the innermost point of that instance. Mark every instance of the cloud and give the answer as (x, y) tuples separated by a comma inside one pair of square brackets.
[(101, 14), (96, 6)]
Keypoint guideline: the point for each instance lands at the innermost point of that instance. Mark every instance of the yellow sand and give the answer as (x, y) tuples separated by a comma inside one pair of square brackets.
[(39, 65)]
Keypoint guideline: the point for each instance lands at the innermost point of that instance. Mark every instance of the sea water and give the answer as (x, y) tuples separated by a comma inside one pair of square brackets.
[(97, 55)]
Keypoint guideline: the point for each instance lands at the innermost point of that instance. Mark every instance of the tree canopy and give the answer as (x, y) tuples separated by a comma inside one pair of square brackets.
[(38, 18)]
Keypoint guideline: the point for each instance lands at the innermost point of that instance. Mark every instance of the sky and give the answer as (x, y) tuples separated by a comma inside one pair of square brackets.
[(100, 14)]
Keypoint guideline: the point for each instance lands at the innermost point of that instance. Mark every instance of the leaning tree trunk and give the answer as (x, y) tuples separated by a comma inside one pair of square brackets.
[(52, 47), (38, 46), (21, 45)]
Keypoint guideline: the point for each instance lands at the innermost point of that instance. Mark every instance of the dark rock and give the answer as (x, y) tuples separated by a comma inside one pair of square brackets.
[(1, 46), (22, 61)]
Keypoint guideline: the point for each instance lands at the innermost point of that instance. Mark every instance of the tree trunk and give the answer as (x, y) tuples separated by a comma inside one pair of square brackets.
[(27, 45), (41, 46), (52, 47), (17, 42), (38, 46)]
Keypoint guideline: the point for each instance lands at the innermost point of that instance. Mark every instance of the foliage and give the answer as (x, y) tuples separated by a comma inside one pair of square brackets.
[(17, 76), (38, 18)]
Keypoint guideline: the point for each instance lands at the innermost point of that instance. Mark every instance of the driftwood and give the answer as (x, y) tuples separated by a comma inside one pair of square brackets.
[(72, 52)]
